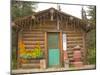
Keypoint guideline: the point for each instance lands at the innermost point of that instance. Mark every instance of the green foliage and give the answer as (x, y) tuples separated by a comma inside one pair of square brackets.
[(14, 61), (22, 8), (19, 9), (37, 53), (91, 37), (92, 56), (92, 14), (91, 45)]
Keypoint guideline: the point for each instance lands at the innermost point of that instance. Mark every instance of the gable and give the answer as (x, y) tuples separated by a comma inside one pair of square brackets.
[(52, 15)]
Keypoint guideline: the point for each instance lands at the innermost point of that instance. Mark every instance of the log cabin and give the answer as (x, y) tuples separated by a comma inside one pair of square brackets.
[(57, 33)]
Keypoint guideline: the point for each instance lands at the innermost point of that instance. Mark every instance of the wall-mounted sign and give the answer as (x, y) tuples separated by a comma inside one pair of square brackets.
[(64, 42)]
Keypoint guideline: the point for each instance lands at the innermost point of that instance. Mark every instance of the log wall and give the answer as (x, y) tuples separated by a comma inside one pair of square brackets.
[(37, 34), (74, 39)]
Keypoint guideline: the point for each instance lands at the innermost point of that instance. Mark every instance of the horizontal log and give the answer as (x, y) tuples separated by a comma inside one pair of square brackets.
[(72, 32), (30, 61), (73, 45), (33, 42), (74, 42), (74, 39), (33, 35), (39, 30), (32, 32), (71, 56), (74, 35), (33, 39), (47, 27), (33, 61), (71, 49), (71, 59), (47, 30), (30, 65), (33, 46), (49, 21)]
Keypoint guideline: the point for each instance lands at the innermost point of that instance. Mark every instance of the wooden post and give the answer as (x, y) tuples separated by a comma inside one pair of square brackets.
[(58, 22), (18, 39), (61, 50), (46, 52)]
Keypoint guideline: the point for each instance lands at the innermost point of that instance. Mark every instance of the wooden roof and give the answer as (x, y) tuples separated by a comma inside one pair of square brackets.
[(19, 22)]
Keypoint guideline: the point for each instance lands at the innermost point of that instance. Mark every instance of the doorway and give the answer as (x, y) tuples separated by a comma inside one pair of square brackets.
[(53, 50)]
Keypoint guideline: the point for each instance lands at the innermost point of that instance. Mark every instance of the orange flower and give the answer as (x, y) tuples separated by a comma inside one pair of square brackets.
[(21, 47), (21, 44)]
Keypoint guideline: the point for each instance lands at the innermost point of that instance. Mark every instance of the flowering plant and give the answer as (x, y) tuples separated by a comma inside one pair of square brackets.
[(28, 54)]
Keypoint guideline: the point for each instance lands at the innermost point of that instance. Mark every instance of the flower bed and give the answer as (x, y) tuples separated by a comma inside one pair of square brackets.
[(35, 53)]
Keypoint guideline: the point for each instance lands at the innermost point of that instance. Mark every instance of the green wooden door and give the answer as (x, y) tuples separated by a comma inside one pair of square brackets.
[(53, 50)]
